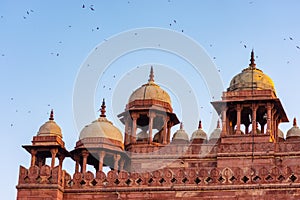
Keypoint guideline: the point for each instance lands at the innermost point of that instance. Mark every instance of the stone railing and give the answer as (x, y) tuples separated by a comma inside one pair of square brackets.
[(41, 175), (173, 150), (171, 178)]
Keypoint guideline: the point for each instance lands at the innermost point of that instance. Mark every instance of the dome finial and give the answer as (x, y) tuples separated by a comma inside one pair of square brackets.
[(218, 124), (294, 122), (252, 63), (181, 125), (200, 125), (102, 110), (51, 115), (151, 76)]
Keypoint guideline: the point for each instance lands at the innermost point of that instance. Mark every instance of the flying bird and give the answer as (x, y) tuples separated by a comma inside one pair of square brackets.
[(291, 38), (174, 21), (297, 47), (245, 46), (83, 6)]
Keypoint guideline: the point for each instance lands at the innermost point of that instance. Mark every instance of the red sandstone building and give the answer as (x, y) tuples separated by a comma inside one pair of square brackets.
[(245, 157)]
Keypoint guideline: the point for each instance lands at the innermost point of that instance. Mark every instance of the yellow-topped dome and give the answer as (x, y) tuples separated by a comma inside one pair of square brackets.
[(251, 78), (150, 91), (101, 128), (50, 128)]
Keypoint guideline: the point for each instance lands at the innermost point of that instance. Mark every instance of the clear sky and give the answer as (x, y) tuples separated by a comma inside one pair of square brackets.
[(44, 44)]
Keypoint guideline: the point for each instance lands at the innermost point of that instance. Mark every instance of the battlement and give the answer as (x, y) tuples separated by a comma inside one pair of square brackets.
[(168, 178)]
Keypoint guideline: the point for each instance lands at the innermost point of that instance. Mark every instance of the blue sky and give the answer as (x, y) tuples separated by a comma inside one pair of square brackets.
[(41, 53)]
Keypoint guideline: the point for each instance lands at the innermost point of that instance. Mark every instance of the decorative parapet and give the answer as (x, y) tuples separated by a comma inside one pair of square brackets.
[(172, 178), (168, 178), (248, 94), (172, 150), (41, 175), (148, 103)]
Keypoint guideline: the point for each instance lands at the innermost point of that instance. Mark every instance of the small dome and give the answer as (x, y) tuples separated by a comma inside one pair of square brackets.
[(142, 136), (216, 133), (199, 133), (50, 128), (180, 134), (294, 131), (101, 128), (150, 91), (280, 134), (251, 78)]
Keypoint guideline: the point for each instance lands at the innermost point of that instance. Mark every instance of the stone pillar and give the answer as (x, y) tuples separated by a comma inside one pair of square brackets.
[(116, 164), (238, 119), (126, 136), (165, 118), (101, 158), (269, 116), (53, 155), (85, 155), (122, 163), (224, 125), (33, 157), (60, 160), (254, 109), (151, 116), (134, 127), (169, 125), (76, 158)]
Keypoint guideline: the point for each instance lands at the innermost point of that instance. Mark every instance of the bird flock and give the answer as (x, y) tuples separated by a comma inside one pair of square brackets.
[(174, 23)]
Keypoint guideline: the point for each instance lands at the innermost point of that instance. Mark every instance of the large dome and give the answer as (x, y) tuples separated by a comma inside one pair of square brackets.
[(50, 128), (150, 91), (251, 78), (101, 128)]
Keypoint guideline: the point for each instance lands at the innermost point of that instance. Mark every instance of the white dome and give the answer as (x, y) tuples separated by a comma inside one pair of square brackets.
[(50, 128), (294, 131), (180, 134), (216, 133), (101, 128), (199, 133)]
